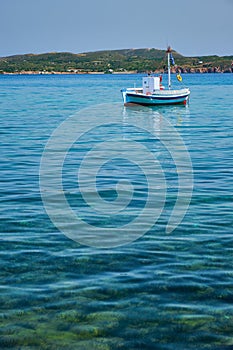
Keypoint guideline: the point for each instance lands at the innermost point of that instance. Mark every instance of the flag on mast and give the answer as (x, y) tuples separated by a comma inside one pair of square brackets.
[(172, 61), (179, 77)]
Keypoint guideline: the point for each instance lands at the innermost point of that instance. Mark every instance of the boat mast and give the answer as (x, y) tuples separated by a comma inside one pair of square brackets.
[(169, 50)]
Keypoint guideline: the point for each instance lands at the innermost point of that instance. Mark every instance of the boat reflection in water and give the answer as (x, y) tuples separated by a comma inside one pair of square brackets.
[(164, 159)]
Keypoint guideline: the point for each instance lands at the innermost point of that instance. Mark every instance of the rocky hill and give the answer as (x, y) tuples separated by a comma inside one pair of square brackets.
[(111, 61)]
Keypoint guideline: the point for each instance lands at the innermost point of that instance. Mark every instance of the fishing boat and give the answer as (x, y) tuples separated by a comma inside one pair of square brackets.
[(153, 93)]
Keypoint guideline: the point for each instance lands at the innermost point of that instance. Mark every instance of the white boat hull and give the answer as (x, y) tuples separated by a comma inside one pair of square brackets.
[(160, 97)]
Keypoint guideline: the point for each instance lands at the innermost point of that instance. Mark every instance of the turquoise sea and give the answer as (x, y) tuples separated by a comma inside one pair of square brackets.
[(160, 291)]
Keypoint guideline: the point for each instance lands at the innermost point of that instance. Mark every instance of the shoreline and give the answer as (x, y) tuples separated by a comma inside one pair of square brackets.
[(182, 71)]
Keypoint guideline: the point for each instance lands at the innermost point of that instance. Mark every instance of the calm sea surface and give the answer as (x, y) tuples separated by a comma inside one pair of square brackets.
[(161, 291)]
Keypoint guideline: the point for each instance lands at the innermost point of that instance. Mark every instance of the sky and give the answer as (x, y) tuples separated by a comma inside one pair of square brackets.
[(193, 28)]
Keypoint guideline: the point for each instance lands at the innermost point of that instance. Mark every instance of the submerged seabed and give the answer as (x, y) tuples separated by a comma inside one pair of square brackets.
[(161, 291)]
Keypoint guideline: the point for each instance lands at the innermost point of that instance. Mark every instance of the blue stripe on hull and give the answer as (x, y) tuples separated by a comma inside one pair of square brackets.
[(147, 100)]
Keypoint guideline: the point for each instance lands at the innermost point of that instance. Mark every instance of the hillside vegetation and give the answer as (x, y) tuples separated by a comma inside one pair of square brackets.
[(109, 61)]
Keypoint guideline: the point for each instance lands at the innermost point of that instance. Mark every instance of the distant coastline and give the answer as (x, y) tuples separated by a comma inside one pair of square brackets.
[(191, 71), (126, 61), (201, 71)]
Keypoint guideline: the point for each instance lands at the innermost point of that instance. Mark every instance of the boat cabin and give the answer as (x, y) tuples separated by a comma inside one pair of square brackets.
[(150, 84)]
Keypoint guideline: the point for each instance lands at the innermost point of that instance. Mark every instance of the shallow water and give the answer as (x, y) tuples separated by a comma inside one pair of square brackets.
[(161, 291)]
